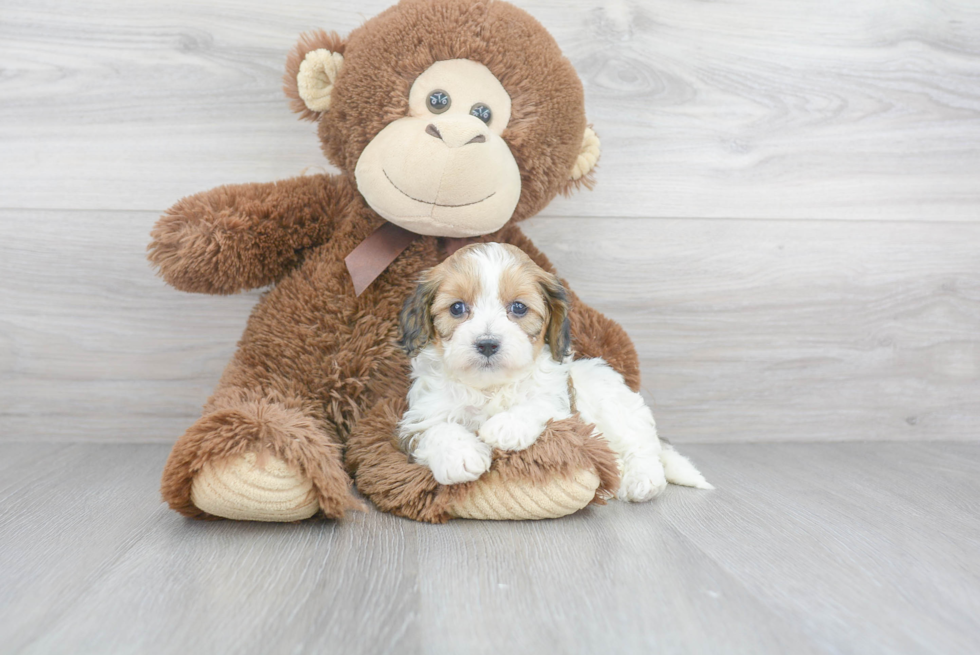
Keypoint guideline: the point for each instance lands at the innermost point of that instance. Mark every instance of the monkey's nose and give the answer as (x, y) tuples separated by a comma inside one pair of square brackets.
[(488, 347), (457, 131)]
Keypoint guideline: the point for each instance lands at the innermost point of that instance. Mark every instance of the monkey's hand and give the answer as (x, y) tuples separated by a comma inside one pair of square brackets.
[(245, 236)]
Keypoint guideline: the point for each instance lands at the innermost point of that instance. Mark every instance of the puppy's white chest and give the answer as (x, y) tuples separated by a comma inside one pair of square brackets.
[(523, 404), (493, 404)]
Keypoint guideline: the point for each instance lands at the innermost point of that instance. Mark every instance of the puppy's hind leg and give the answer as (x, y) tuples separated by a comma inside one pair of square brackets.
[(624, 420)]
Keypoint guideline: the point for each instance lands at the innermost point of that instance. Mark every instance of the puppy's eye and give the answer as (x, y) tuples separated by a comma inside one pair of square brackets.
[(518, 308), (457, 309)]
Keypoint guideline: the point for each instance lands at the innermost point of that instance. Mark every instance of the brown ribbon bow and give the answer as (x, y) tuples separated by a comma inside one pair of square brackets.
[(373, 255)]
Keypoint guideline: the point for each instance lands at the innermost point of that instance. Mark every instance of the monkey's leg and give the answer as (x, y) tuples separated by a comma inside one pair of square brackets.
[(565, 470), (258, 457), (269, 446)]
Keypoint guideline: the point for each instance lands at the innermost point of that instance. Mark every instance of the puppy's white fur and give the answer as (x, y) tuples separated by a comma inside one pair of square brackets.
[(463, 403)]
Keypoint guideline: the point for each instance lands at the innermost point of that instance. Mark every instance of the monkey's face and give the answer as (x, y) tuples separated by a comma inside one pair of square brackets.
[(452, 116), (444, 169)]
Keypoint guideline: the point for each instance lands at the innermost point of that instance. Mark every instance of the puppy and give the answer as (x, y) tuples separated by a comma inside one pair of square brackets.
[(489, 334)]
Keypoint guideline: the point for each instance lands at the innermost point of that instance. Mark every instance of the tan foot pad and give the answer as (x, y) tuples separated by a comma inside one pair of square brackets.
[(237, 488), (493, 500)]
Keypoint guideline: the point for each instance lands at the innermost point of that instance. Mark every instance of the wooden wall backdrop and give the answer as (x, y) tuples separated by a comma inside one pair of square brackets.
[(787, 218)]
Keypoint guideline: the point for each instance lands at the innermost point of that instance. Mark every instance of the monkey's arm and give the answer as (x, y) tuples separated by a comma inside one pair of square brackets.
[(593, 334), (245, 236), (596, 335)]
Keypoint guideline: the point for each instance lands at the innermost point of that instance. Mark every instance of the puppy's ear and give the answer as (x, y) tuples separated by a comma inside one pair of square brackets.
[(558, 333), (416, 317)]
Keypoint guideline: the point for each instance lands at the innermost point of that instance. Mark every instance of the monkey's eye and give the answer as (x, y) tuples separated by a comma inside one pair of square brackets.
[(457, 309), (481, 111), (518, 309), (439, 101)]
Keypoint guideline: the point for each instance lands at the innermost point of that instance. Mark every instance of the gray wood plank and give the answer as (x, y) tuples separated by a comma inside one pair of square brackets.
[(609, 579), (887, 531), (760, 331), (747, 330), (761, 109), (803, 548), (22, 459), (230, 587), (92, 562), (91, 342), (65, 520)]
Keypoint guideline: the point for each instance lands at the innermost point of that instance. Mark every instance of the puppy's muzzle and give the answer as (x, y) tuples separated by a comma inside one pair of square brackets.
[(487, 347)]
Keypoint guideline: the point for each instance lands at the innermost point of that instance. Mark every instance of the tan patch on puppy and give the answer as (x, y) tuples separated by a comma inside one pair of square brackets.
[(545, 298), (522, 283), (459, 281)]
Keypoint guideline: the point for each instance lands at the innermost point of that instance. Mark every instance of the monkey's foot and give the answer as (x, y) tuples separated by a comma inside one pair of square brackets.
[(257, 460), (491, 498), (244, 489), (563, 471)]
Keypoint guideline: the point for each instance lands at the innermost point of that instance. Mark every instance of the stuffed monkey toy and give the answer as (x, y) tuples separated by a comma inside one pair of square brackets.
[(451, 121)]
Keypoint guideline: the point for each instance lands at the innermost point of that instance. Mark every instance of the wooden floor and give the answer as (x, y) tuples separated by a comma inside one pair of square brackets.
[(803, 548)]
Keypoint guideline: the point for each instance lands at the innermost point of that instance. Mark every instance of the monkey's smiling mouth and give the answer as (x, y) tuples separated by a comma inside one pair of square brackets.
[(465, 204)]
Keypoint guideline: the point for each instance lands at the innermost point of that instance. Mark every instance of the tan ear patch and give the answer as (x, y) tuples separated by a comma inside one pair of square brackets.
[(521, 283), (587, 156), (460, 282), (316, 76)]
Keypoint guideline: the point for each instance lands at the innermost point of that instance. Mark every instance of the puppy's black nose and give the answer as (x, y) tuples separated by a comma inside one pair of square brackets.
[(488, 347)]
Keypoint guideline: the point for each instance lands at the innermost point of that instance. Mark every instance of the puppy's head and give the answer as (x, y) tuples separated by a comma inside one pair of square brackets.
[(488, 311)]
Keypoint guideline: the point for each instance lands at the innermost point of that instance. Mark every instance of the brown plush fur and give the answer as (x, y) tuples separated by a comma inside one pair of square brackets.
[(384, 56), (408, 489), (319, 367), (247, 236)]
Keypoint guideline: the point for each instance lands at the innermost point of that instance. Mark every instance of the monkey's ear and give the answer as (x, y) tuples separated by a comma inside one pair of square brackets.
[(558, 333), (311, 69), (416, 316), (588, 155)]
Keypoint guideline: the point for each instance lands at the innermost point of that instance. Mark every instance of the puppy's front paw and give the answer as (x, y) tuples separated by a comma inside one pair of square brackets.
[(453, 454), (508, 431), (642, 480)]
